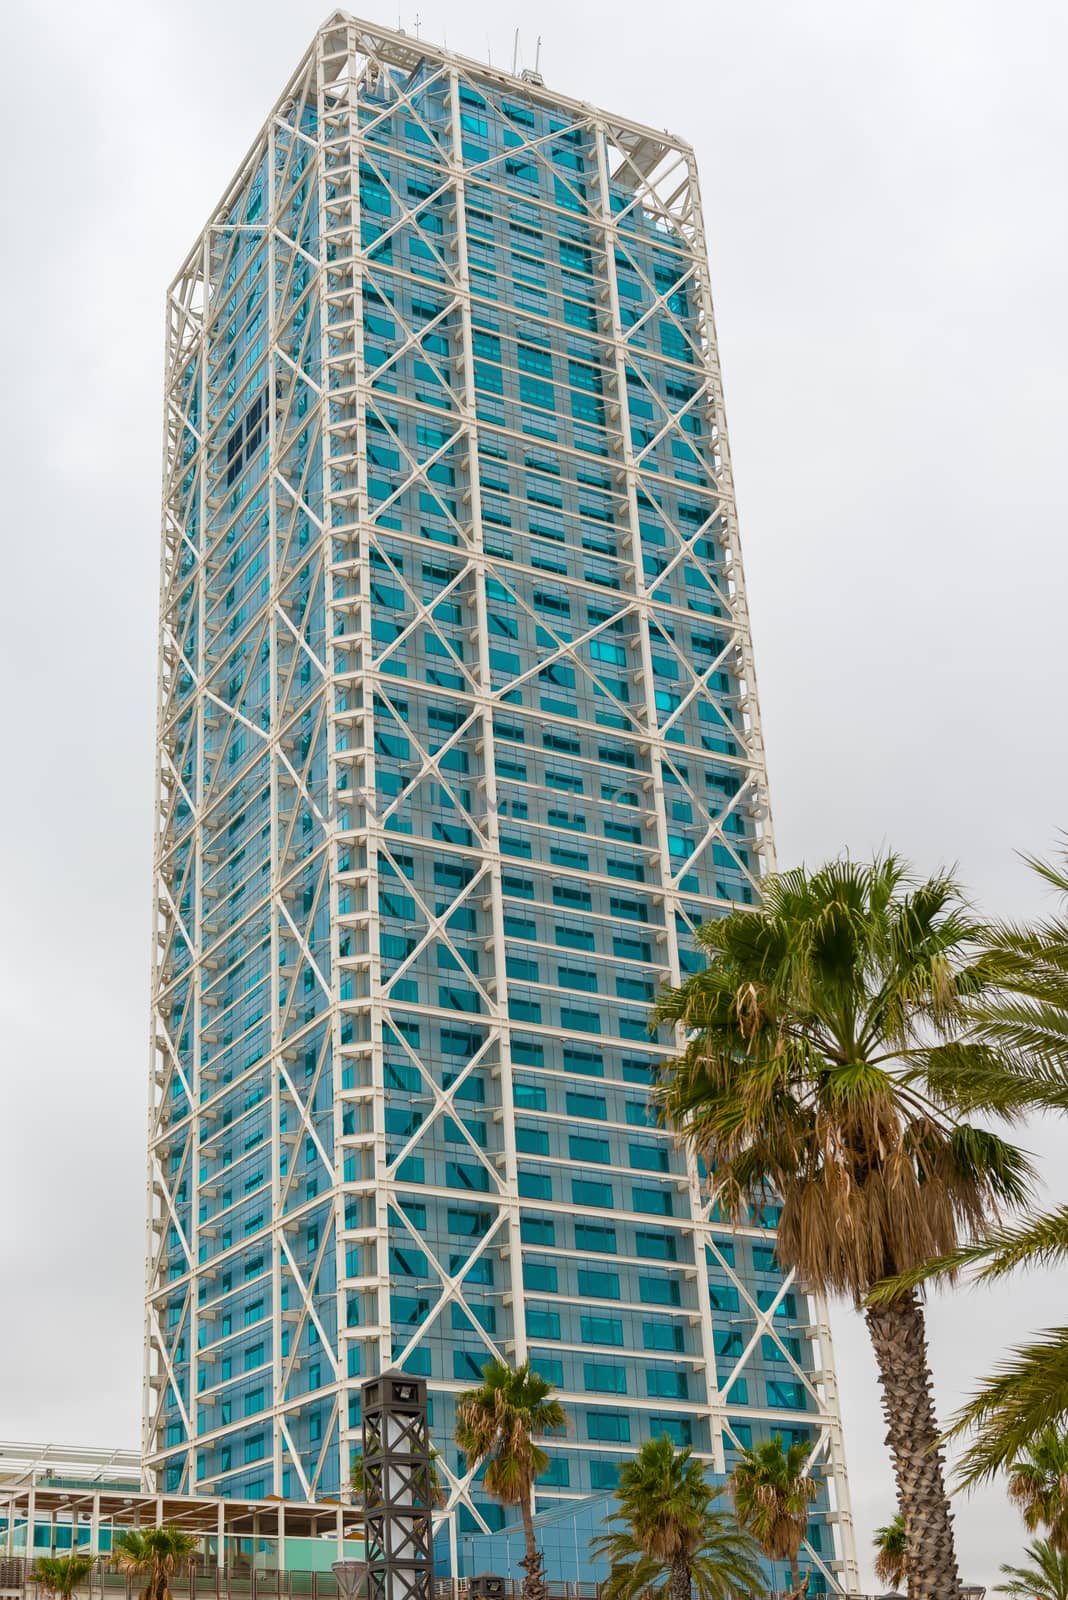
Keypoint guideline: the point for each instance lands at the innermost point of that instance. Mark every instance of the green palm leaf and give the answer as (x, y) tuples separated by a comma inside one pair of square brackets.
[(1045, 1577)]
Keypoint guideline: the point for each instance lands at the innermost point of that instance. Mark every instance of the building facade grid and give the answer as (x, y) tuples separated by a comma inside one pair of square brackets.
[(458, 743)]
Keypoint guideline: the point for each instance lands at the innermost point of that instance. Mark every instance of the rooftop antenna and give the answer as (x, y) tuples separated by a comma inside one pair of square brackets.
[(515, 54), (418, 24), (537, 56)]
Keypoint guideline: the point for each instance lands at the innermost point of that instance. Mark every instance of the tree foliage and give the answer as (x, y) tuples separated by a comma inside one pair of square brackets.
[(772, 1490), (499, 1422), (1038, 1487), (891, 1554), (828, 1068), (1021, 1021), (154, 1554), (671, 1541), (61, 1575), (1043, 1577)]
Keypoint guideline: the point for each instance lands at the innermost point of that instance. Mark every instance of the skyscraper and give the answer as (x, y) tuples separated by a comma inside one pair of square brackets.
[(458, 744)]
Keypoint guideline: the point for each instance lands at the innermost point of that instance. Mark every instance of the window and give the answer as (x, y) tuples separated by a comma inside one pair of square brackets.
[(601, 1379), (640, 1114), (656, 1246), (537, 1230), (485, 1316), (580, 1021), (635, 989), (535, 1185), (532, 1141), (576, 978), (590, 1107), (582, 1148), (771, 1351), (659, 1291), (582, 1061), (551, 1370), (539, 1277), (604, 1474), (601, 1330), (786, 1307), (657, 1202), (662, 1336), (586, 1193), (649, 1157), (544, 1324), (598, 1285), (470, 1223), (466, 1175), (784, 1396), (614, 1425), (663, 1383), (408, 1310), (599, 1241), (406, 1262), (566, 894), (529, 1096), (480, 1271), (677, 1429)]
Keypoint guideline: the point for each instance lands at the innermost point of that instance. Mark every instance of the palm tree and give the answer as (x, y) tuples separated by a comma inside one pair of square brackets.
[(826, 1068), (498, 1423), (890, 1564), (61, 1575), (1038, 1485), (1045, 1578), (1024, 1023), (673, 1544), (772, 1492), (154, 1554)]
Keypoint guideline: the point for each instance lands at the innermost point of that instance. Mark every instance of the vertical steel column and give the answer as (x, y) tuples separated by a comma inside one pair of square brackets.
[(491, 817)]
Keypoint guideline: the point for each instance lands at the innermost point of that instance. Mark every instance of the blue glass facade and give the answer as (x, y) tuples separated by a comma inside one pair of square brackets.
[(458, 745)]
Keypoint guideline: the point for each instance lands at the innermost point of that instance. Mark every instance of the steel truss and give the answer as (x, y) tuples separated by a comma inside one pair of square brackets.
[(288, 697)]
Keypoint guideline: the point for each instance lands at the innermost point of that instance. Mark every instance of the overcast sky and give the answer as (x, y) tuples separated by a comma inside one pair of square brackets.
[(884, 195)]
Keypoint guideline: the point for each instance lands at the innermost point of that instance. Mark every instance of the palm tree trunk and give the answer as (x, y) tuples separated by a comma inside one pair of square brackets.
[(795, 1576), (900, 1344), (534, 1587), (680, 1587)]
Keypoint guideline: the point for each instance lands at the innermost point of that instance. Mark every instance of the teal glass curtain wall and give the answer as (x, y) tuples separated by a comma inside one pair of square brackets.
[(458, 746)]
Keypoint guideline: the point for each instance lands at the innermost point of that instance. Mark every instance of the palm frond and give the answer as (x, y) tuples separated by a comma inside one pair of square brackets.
[(1044, 1578), (1039, 1241), (1026, 1395)]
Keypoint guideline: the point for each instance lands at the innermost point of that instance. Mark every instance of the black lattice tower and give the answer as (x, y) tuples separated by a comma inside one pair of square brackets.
[(398, 1488)]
